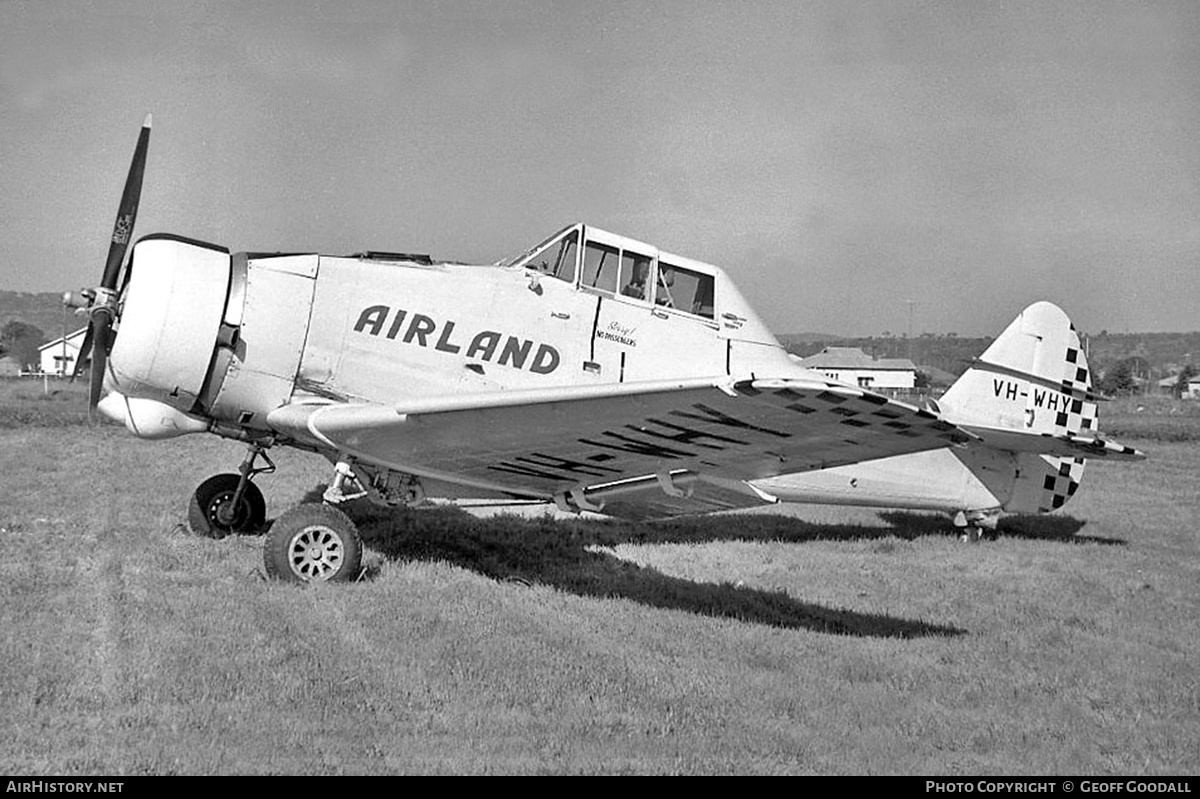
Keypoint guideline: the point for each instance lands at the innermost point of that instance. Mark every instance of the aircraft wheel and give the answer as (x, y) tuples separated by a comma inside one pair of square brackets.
[(313, 543), (211, 512), (971, 535)]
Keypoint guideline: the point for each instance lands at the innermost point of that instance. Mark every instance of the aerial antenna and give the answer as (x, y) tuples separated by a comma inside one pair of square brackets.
[(911, 303)]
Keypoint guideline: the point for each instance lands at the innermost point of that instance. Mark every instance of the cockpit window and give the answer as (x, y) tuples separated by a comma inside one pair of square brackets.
[(624, 269), (557, 259), (635, 275), (600, 264), (684, 290)]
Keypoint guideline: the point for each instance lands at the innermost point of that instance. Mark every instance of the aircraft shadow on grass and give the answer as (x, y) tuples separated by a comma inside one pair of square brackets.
[(1063, 529), (569, 555)]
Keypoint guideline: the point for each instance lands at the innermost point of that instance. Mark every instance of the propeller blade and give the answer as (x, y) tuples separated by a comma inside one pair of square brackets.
[(101, 327), (127, 213), (103, 305), (126, 274), (83, 351)]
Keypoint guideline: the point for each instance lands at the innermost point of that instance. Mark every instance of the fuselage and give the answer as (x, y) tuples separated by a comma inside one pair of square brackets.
[(223, 339)]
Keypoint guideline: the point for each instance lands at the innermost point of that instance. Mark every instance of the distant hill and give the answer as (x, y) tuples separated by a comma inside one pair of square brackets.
[(43, 310), (1162, 353), (790, 340)]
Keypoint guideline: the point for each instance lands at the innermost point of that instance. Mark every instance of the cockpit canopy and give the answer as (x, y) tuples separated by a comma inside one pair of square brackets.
[(616, 266)]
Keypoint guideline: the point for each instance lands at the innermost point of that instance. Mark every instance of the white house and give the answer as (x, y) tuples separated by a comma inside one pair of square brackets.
[(59, 357), (852, 365)]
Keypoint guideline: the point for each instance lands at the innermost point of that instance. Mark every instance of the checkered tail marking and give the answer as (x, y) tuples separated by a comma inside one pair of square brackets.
[(1062, 479), (1081, 415)]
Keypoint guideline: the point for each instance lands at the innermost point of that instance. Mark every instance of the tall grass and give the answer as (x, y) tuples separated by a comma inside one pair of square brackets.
[(832, 641)]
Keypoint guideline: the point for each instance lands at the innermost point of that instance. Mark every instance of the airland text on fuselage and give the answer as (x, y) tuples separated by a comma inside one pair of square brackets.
[(420, 330)]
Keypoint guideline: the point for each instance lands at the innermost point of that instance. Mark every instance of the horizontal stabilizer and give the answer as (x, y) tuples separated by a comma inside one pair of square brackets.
[(1063, 446)]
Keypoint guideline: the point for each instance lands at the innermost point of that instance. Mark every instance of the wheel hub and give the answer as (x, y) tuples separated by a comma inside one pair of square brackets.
[(224, 512), (316, 553)]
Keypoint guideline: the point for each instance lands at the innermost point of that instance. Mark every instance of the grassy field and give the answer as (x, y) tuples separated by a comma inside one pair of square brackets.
[(826, 641)]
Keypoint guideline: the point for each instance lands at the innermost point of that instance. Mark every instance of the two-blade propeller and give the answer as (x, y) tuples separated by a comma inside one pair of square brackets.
[(101, 302)]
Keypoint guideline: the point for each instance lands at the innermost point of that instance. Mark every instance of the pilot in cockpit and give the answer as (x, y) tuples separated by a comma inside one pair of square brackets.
[(636, 287)]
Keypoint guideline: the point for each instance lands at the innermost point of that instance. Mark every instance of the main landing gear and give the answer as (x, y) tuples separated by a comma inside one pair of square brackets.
[(230, 503), (312, 542)]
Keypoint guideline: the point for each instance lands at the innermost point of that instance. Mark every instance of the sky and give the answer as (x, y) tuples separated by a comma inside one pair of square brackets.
[(858, 168)]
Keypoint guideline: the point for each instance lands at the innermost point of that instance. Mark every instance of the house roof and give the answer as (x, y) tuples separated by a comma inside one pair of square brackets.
[(854, 358), (1171, 380), (75, 339)]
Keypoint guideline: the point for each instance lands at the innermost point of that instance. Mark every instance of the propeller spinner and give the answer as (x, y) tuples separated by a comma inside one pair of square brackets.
[(101, 302)]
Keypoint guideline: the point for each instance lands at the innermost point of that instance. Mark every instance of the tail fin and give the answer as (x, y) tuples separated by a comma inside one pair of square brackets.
[(1030, 393), (1034, 377)]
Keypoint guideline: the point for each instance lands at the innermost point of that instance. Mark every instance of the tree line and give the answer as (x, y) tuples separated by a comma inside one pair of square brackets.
[(21, 341)]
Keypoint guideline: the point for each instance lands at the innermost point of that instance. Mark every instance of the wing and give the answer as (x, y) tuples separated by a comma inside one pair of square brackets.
[(682, 438)]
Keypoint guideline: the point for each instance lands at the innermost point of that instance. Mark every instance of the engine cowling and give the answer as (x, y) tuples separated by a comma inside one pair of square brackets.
[(170, 321)]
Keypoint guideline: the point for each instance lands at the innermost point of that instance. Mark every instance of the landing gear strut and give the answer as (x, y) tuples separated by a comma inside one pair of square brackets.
[(230, 503)]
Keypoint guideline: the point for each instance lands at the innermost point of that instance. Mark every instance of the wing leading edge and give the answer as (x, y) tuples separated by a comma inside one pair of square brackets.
[(623, 438)]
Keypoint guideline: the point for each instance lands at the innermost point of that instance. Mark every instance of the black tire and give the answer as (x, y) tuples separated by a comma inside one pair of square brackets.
[(209, 511), (313, 543)]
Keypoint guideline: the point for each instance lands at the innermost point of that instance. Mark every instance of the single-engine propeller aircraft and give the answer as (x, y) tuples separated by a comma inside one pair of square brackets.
[(593, 371)]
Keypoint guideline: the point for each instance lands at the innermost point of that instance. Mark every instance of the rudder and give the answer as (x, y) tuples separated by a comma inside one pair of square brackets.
[(1033, 378)]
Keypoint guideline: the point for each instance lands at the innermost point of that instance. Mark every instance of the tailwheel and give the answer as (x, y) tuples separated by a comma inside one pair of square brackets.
[(971, 535), (977, 525), (313, 543), (213, 513)]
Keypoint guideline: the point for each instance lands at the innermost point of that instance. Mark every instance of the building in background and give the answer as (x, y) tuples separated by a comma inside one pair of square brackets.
[(59, 360), (852, 365)]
